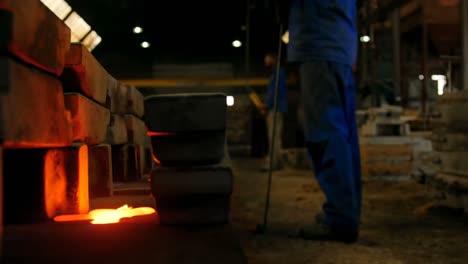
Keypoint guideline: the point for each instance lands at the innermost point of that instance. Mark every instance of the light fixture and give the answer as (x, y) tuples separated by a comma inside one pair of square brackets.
[(285, 37), (79, 28), (59, 7), (421, 77), (229, 100), (236, 44), (365, 39), (145, 44), (137, 30), (441, 82), (92, 40)]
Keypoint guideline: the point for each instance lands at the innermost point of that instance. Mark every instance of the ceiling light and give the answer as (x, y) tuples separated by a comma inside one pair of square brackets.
[(145, 44), (365, 39), (236, 44), (59, 7), (79, 28), (92, 40), (230, 100), (441, 82), (137, 30)]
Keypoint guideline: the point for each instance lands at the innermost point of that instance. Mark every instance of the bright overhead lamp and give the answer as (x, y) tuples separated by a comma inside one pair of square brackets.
[(79, 28), (365, 39), (59, 7), (237, 44), (137, 30), (229, 100), (441, 82), (92, 40), (145, 44)]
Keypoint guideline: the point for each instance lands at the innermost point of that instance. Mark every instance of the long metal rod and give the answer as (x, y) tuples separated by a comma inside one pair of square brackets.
[(396, 51), (273, 133), (247, 43), (464, 14)]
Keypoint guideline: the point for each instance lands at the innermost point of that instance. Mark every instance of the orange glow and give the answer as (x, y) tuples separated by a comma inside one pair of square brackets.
[(151, 133), (107, 216), (83, 189), (55, 183)]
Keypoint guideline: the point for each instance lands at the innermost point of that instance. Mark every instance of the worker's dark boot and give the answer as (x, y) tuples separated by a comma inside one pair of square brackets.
[(322, 232)]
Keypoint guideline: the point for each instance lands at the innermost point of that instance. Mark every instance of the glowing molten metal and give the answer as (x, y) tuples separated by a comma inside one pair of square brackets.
[(107, 216)]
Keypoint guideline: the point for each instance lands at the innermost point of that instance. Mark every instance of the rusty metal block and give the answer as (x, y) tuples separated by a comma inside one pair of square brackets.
[(84, 74), (136, 130), (186, 112), (42, 183), (125, 163), (117, 131), (90, 120), (32, 113), (193, 195), (201, 148), (100, 171), (37, 36)]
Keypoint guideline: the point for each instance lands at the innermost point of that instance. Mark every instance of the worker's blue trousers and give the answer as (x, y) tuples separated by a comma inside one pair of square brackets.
[(328, 90)]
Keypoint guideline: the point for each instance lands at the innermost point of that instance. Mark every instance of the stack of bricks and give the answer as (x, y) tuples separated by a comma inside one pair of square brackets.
[(57, 111), (131, 150), (193, 182), (44, 173), (450, 143)]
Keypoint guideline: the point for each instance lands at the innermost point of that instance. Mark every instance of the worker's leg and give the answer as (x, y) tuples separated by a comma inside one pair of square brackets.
[(354, 136), (330, 137), (277, 161)]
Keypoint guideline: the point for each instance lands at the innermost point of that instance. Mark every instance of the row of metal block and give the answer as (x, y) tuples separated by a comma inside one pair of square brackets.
[(58, 106), (193, 182), (450, 144)]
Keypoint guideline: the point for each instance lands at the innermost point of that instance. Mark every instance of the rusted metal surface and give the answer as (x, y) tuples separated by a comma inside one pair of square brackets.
[(38, 37), (32, 113), (167, 83), (136, 130), (42, 183), (84, 74), (117, 131), (89, 119), (100, 171)]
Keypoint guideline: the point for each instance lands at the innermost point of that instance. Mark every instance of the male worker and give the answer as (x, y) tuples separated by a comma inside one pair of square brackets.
[(271, 61), (323, 42)]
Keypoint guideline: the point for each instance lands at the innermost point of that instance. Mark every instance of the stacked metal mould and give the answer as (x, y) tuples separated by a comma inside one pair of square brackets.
[(193, 182), (450, 141)]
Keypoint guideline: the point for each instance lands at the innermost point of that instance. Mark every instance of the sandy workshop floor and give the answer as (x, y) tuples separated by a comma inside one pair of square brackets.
[(397, 224)]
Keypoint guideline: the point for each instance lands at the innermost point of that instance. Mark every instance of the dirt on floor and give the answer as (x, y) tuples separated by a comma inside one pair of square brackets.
[(402, 222)]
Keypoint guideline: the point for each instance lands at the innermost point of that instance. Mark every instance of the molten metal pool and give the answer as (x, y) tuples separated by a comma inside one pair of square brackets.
[(107, 216)]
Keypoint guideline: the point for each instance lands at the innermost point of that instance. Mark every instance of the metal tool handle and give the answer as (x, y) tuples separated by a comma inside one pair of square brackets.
[(273, 133)]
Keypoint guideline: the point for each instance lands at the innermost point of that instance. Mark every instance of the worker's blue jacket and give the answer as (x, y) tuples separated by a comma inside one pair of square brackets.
[(282, 92), (323, 30)]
